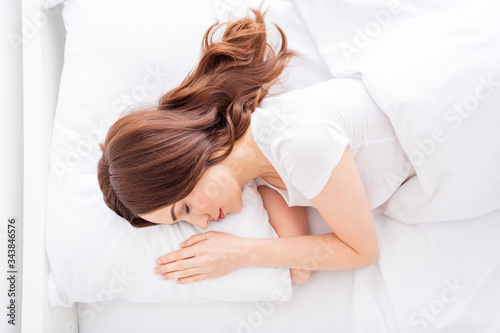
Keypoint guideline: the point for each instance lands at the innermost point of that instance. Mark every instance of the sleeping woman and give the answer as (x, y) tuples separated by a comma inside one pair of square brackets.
[(327, 146)]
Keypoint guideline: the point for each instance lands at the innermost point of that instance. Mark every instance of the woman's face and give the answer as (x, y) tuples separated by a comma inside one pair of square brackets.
[(214, 196)]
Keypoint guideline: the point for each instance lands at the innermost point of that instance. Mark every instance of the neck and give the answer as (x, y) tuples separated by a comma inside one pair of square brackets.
[(247, 161)]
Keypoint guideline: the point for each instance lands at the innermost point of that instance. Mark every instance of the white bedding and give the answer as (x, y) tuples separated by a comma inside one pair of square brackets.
[(321, 305), (430, 277), (432, 67), (438, 271), (324, 307)]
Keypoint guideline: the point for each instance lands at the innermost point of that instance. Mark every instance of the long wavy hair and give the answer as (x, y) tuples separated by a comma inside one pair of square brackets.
[(154, 157)]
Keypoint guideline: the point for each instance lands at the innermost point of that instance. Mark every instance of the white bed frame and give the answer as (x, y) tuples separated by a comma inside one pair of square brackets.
[(42, 60)]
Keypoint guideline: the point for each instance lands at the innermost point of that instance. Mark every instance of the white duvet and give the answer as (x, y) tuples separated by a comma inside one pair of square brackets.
[(433, 68)]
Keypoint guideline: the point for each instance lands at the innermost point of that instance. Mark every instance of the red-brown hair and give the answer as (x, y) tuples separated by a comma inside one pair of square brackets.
[(154, 157)]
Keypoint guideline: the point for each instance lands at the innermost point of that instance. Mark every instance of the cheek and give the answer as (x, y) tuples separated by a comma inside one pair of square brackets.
[(200, 200)]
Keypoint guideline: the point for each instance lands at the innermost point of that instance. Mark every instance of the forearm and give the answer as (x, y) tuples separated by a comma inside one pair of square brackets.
[(286, 221), (292, 224), (313, 252)]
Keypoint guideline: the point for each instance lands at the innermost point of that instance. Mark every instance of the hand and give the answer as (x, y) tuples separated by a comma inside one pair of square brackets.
[(202, 256)]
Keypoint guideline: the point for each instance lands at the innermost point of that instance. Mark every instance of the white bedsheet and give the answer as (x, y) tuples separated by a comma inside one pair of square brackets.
[(431, 277)]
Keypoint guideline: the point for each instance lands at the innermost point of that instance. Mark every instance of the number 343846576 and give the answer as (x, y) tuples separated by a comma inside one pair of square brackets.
[(11, 246)]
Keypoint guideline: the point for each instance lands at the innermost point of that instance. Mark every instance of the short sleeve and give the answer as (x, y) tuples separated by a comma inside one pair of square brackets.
[(307, 153)]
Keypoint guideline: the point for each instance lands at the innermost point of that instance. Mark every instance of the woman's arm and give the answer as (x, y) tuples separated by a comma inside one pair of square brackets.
[(287, 222), (342, 203), (344, 206)]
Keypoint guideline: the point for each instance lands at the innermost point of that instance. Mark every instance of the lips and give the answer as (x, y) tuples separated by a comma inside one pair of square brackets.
[(221, 214)]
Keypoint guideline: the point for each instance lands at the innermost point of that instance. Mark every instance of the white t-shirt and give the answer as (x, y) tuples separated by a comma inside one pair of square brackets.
[(304, 133)]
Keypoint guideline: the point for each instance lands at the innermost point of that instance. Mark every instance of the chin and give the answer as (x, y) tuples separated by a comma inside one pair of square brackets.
[(235, 208)]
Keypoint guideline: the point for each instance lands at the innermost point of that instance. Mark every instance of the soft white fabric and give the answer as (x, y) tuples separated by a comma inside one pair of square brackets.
[(321, 305), (438, 277), (47, 4), (431, 277), (97, 256), (432, 67), (120, 54), (304, 133), (100, 61)]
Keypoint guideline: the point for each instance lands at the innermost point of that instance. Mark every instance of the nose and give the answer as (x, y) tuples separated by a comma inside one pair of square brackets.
[(201, 221)]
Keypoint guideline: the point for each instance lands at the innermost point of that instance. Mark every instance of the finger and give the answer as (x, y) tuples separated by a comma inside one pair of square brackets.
[(195, 239), (191, 279), (177, 266), (175, 255), (181, 274)]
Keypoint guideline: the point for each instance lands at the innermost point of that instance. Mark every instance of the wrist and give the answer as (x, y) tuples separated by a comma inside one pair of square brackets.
[(248, 252)]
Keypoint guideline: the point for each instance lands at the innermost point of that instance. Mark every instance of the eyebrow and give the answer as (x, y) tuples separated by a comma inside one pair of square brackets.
[(172, 213)]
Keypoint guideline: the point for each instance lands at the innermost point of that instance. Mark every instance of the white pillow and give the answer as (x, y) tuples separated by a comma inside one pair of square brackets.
[(419, 61), (97, 256), (117, 54)]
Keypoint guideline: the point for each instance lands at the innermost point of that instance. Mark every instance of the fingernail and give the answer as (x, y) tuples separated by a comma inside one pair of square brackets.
[(158, 270), (179, 281), (158, 262), (182, 244), (165, 277)]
